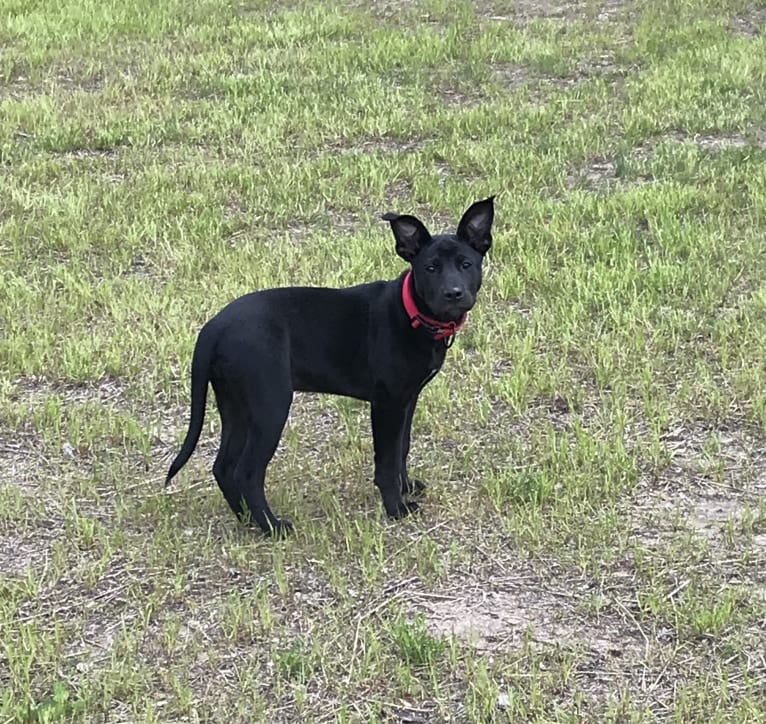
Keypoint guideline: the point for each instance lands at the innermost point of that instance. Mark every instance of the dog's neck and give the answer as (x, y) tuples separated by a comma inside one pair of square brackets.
[(437, 329)]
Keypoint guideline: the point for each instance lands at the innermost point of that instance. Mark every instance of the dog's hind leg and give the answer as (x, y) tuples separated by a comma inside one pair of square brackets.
[(249, 483), (266, 405), (233, 438)]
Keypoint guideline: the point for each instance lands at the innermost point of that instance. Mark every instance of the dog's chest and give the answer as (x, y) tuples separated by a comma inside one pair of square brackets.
[(431, 374), (428, 371)]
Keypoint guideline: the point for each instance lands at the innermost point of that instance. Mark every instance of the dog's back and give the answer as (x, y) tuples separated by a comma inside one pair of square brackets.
[(320, 335)]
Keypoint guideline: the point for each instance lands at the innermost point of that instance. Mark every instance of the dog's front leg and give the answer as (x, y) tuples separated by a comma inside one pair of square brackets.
[(407, 484), (388, 426)]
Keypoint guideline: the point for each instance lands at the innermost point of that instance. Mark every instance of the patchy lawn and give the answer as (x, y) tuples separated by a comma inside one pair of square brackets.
[(592, 546)]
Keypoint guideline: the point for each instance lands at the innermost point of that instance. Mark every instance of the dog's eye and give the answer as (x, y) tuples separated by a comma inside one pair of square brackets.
[(430, 268), (466, 264)]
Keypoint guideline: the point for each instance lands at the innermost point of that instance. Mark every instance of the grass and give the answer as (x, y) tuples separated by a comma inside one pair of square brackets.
[(592, 544)]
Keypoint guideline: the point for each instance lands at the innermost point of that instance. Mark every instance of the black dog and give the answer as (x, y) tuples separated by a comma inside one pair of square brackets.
[(380, 342)]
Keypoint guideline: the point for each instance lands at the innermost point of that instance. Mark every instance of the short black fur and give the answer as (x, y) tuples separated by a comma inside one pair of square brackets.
[(356, 342)]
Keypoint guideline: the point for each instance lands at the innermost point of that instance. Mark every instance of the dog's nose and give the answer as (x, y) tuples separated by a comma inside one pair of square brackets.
[(453, 294)]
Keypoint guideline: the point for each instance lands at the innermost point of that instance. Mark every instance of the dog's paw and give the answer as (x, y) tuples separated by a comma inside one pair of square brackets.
[(405, 508), (413, 487), (280, 528), (272, 527)]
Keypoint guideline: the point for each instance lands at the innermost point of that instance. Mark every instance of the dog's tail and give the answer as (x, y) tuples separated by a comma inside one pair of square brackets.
[(200, 374)]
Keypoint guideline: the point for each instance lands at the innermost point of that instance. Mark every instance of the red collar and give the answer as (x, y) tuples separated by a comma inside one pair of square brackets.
[(439, 330)]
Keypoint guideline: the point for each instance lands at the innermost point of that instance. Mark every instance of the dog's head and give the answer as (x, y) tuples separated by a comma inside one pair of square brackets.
[(446, 268)]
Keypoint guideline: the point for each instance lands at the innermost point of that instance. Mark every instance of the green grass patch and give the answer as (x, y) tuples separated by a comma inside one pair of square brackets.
[(591, 544)]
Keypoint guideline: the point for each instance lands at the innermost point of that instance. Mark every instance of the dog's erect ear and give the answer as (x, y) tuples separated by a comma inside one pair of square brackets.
[(476, 225), (410, 234)]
